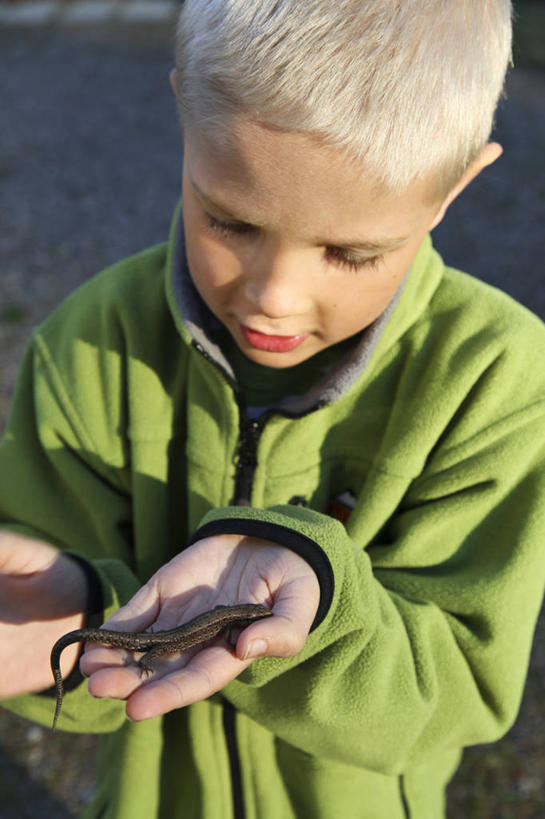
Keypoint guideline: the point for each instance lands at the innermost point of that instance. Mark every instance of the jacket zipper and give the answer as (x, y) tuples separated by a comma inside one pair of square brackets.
[(250, 430), (230, 731), (246, 462), (404, 802)]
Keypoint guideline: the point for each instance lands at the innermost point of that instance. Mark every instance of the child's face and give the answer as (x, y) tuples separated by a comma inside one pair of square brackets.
[(291, 247)]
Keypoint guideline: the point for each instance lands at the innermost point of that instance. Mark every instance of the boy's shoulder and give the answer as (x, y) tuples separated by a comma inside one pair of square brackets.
[(123, 300), (469, 367), (455, 330), (116, 326), (472, 307), (471, 357), (482, 348)]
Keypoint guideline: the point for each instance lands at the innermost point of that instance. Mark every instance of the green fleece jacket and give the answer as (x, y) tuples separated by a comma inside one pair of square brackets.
[(412, 479)]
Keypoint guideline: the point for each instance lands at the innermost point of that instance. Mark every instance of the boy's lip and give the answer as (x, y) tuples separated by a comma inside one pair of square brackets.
[(270, 343)]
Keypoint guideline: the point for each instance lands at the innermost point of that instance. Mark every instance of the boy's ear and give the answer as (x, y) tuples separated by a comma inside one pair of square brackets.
[(488, 155), (172, 80)]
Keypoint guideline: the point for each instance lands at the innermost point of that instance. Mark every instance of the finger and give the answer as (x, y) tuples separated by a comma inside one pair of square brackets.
[(22, 555), (114, 682), (277, 636), (206, 673), (97, 656), (115, 672), (284, 634)]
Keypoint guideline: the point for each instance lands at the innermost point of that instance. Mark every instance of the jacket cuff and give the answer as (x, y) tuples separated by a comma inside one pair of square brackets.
[(290, 526)]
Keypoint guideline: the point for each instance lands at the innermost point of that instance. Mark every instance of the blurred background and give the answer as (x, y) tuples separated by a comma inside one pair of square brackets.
[(90, 162)]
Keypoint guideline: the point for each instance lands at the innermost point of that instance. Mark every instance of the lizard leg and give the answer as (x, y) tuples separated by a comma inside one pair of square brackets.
[(145, 662)]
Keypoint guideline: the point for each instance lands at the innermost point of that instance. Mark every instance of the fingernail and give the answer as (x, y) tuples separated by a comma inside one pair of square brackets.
[(256, 649)]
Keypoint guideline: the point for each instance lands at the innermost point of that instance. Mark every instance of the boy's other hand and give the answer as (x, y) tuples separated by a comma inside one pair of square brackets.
[(219, 570), (42, 595)]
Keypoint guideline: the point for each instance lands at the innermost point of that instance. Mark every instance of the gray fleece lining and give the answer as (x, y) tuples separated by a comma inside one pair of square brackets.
[(200, 322)]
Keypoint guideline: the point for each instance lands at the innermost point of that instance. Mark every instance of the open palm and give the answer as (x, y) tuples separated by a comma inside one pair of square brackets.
[(219, 570)]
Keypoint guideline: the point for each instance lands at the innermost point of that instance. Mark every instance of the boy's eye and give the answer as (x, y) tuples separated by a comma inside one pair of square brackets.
[(227, 228), (336, 255), (343, 259)]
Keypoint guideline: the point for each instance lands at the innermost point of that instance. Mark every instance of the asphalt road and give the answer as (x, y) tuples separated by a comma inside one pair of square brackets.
[(90, 163)]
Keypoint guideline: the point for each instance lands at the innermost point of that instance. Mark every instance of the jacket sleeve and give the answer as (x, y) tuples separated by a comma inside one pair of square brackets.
[(55, 487), (423, 637)]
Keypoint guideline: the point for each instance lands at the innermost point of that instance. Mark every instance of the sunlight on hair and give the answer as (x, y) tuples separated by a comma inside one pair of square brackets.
[(407, 88)]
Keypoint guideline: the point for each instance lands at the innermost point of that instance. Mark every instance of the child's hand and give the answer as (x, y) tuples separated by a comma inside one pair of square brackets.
[(218, 570), (42, 595)]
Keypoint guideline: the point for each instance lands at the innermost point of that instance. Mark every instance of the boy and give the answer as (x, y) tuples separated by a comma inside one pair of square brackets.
[(292, 403)]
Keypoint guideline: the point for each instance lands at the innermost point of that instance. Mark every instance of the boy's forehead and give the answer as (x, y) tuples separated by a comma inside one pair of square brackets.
[(252, 153), (263, 175)]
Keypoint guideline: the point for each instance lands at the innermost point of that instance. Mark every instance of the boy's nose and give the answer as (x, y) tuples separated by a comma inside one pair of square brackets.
[(277, 285)]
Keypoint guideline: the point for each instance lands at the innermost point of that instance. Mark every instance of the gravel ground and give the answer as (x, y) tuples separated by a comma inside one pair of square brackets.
[(89, 172)]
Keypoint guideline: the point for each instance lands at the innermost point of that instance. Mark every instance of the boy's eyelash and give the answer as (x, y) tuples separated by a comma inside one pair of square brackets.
[(338, 256), (335, 254), (227, 228)]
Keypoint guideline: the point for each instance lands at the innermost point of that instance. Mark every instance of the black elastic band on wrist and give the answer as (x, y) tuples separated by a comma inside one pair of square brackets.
[(94, 608)]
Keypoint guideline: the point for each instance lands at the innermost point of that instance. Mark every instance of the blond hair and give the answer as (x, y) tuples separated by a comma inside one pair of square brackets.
[(407, 87)]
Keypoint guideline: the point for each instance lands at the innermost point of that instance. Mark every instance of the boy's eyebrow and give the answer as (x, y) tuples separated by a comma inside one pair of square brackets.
[(369, 245)]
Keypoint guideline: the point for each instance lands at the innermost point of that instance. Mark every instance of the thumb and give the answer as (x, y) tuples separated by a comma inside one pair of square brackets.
[(284, 634), (24, 555)]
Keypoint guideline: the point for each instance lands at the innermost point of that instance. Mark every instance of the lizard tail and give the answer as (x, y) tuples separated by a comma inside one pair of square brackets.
[(72, 637), (60, 692)]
